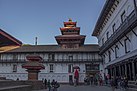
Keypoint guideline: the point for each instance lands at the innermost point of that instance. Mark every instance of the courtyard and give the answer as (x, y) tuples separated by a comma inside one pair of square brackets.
[(82, 88)]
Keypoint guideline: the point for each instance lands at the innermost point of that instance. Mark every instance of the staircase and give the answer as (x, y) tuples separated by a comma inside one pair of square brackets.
[(132, 86)]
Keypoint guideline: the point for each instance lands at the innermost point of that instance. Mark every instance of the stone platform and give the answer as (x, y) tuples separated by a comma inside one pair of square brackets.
[(34, 85)]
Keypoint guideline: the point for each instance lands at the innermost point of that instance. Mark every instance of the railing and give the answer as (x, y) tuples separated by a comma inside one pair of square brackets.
[(12, 60), (71, 60), (129, 23), (53, 60)]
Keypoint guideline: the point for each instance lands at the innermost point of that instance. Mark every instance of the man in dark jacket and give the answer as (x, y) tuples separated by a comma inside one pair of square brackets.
[(113, 83), (45, 83), (49, 85)]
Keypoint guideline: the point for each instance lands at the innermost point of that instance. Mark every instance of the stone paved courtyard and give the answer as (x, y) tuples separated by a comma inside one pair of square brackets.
[(83, 88)]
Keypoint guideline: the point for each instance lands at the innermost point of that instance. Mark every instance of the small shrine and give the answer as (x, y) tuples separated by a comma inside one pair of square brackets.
[(33, 66)]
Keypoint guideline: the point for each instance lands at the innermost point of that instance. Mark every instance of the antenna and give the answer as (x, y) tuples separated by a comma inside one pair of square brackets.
[(36, 38)]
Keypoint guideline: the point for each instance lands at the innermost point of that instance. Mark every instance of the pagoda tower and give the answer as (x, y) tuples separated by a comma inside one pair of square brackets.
[(70, 37)]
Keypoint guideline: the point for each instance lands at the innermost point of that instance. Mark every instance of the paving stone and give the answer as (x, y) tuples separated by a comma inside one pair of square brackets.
[(83, 88)]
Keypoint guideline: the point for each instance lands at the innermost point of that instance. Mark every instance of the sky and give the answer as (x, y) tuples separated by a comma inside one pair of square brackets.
[(27, 19)]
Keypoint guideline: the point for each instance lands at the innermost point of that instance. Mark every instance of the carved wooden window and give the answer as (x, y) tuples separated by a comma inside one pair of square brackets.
[(109, 56), (15, 57), (51, 68), (70, 46), (107, 35), (93, 56), (51, 57), (91, 67), (14, 68), (116, 52), (123, 17), (127, 45), (70, 58), (70, 68), (102, 41), (114, 27)]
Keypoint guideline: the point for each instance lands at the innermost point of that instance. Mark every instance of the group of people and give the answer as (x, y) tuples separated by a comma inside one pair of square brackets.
[(51, 86), (119, 82), (93, 80), (114, 82)]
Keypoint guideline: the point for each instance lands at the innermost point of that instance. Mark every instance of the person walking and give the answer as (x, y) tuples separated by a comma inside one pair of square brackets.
[(100, 82), (45, 83), (119, 82), (75, 82), (49, 85), (125, 83), (113, 83), (106, 80), (91, 80), (53, 85), (85, 80), (57, 85)]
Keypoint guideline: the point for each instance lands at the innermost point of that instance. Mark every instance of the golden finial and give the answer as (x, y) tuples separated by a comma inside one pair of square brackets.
[(70, 20)]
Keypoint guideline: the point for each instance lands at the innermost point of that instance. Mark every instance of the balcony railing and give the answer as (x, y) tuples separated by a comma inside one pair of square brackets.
[(53, 60), (12, 60), (71, 60), (129, 23)]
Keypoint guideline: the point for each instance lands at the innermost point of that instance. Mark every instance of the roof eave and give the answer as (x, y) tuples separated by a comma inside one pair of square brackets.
[(13, 39), (102, 16)]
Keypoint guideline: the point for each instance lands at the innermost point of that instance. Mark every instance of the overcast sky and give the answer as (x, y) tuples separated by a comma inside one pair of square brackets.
[(27, 19)]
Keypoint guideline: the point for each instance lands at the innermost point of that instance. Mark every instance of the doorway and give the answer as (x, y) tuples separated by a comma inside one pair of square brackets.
[(70, 79)]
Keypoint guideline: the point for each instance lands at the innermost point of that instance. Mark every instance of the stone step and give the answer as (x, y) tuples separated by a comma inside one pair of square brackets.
[(132, 89), (132, 86), (131, 82)]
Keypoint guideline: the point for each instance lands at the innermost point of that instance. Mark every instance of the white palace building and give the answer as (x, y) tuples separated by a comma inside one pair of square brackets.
[(116, 30), (59, 60)]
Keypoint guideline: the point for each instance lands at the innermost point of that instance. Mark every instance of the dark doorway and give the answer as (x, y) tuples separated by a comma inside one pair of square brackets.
[(70, 79)]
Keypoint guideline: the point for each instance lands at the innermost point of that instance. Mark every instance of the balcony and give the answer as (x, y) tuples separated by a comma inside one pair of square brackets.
[(54, 60), (123, 29), (72, 61), (12, 60)]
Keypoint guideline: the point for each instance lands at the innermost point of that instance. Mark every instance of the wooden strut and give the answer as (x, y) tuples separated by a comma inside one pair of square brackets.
[(117, 46), (128, 38), (134, 33), (106, 54), (112, 49), (103, 56), (120, 43)]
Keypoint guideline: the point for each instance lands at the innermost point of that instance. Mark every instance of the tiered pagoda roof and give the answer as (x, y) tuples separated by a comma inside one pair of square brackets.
[(33, 63), (70, 23), (67, 39), (66, 30), (70, 35)]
